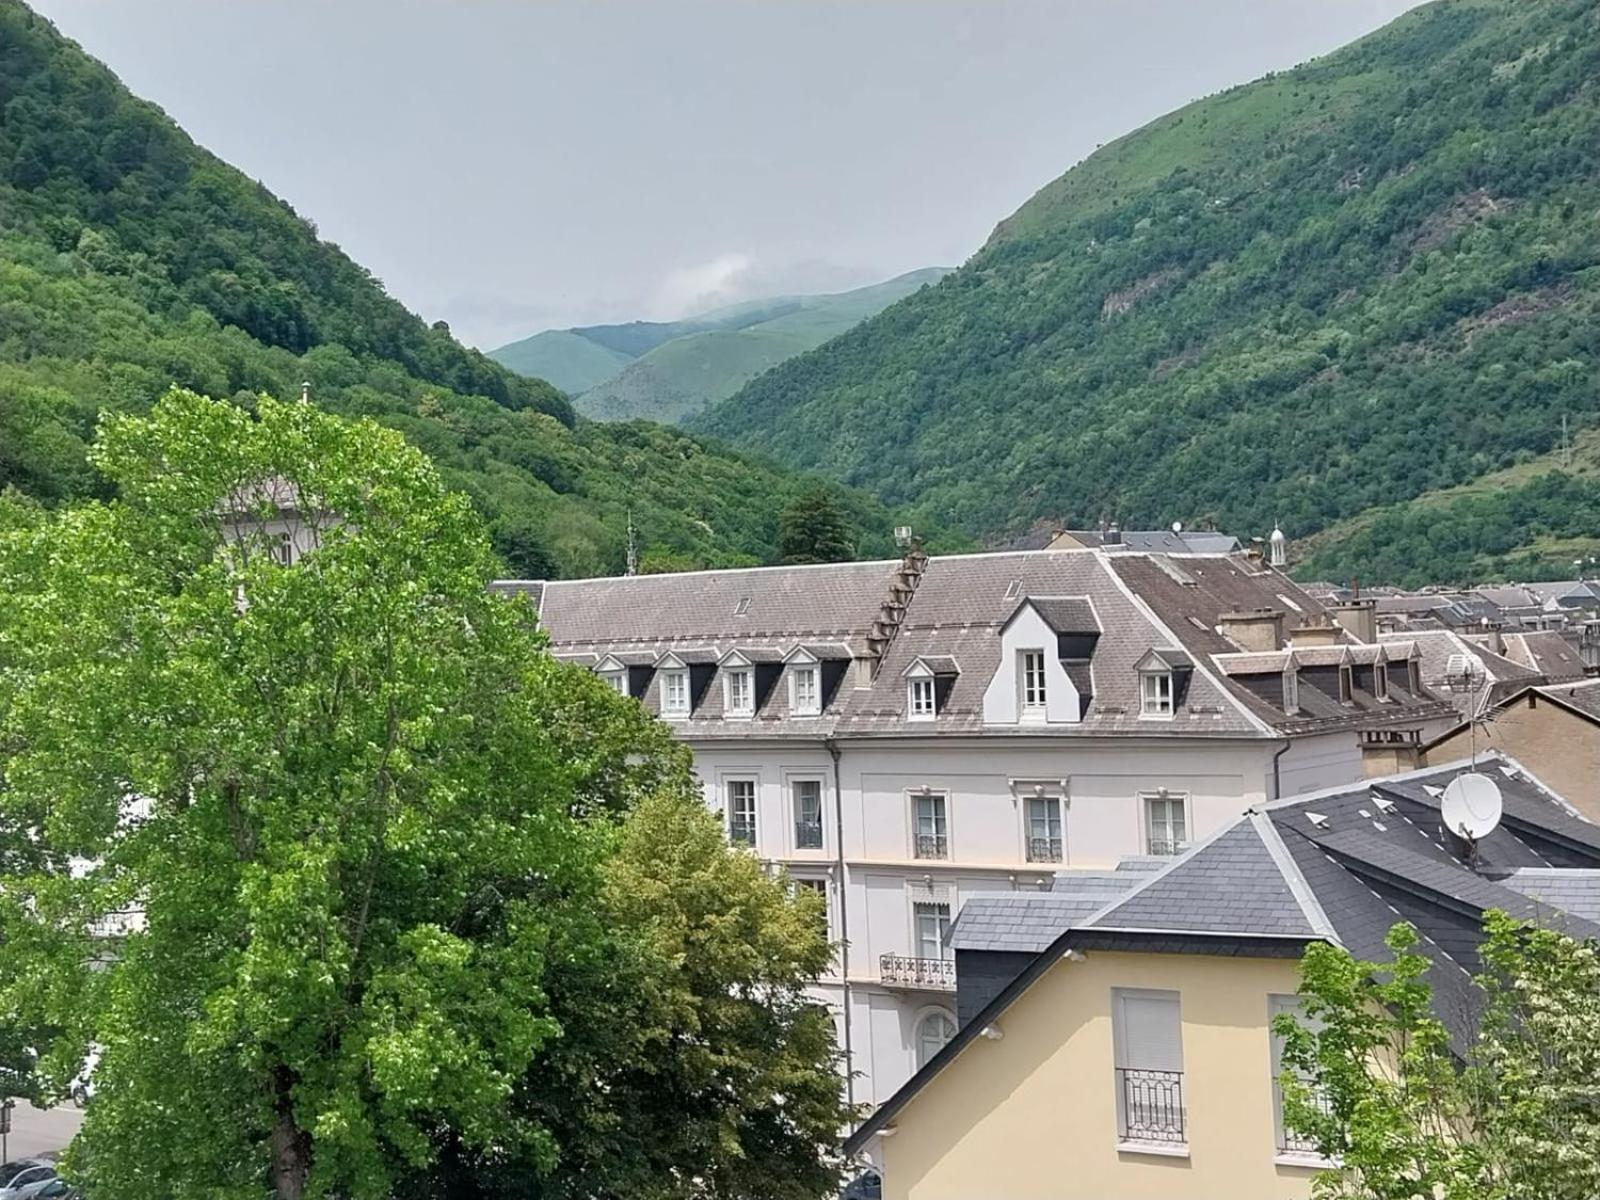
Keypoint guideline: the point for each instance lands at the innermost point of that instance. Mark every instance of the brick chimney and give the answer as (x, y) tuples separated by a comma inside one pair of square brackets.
[(1259, 629)]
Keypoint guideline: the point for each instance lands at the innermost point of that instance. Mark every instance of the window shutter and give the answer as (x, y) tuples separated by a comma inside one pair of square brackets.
[(1152, 1038)]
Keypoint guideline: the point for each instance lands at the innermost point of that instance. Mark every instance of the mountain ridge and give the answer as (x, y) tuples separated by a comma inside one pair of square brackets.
[(1327, 292)]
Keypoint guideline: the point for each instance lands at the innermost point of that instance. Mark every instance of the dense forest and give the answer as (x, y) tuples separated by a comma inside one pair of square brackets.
[(132, 260), (1315, 297)]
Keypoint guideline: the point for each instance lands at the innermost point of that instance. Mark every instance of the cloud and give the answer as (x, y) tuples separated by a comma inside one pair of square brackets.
[(725, 279)]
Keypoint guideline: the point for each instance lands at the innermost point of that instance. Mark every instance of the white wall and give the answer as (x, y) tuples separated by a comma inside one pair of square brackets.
[(1003, 697), (1313, 763)]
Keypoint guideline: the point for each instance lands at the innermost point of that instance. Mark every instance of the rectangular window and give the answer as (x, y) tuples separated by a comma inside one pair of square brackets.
[(741, 694), (933, 931), (1165, 824), (932, 836), (1044, 829), (1155, 694), (742, 811), (807, 698), (675, 693), (1148, 1041), (1346, 684), (1032, 672), (923, 704), (807, 814), (617, 681), (1290, 1141), (1380, 681), (1291, 691), (819, 887)]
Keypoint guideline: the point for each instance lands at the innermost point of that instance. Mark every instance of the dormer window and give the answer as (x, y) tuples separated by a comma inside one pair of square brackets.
[(1380, 680), (1030, 671), (739, 692), (617, 681), (1291, 689), (1155, 694), (1346, 683), (922, 702), (805, 690), (675, 693)]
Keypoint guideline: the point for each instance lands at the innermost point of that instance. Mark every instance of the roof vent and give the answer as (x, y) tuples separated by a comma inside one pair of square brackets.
[(1383, 804), (1013, 589), (1318, 819), (742, 607)]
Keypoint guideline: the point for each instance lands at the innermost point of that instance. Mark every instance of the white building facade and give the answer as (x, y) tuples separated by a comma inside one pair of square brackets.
[(904, 735)]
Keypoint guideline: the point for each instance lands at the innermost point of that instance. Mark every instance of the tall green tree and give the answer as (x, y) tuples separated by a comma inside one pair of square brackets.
[(315, 845), (812, 529), (1373, 1077)]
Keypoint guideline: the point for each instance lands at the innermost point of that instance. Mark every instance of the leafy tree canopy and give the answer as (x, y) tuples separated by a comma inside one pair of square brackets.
[(812, 529)]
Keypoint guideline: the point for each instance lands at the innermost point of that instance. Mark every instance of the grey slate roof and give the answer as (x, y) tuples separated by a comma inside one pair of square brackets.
[(1066, 614), (1585, 697), (1573, 891), (1548, 652), (1019, 921)]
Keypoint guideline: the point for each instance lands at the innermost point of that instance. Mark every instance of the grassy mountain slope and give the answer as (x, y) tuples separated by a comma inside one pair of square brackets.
[(666, 371), (1329, 292), (132, 260), (563, 357)]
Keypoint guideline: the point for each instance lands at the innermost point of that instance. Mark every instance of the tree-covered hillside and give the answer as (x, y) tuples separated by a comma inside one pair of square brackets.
[(1315, 296), (132, 260)]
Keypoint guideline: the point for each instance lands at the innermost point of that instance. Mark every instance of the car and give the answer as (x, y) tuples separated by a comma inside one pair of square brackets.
[(10, 1170), (30, 1182), (82, 1088)]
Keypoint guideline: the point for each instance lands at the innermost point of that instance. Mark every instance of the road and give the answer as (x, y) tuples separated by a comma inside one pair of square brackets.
[(37, 1131)]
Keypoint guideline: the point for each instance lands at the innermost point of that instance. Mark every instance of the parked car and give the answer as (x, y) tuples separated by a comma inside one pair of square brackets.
[(32, 1182), (82, 1089), (9, 1171)]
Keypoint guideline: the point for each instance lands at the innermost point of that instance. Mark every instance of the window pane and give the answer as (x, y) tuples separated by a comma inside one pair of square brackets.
[(808, 814), (931, 838), (934, 1032), (742, 811), (933, 929)]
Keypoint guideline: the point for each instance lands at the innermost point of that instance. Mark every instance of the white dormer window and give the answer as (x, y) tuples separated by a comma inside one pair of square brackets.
[(1380, 680), (1155, 694), (1291, 690), (617, 681), (1030, 670), (739, 698), (922, 703), (675, 693), (805, 691)]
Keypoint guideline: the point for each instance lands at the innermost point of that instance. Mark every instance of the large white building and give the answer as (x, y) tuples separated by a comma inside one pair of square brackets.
[(902, 735)]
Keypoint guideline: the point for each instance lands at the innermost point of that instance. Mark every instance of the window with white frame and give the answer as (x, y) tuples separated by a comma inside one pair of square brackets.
[(740, 697), (1380, 680), (805, 691), (932, 836), (807, 813), (1291, 1141), (1030, 671), (1291, 690), (1043, 816), (1166, 824), (1147, 1036), (923, 703), (932, 928), (742, 811), (1155, 693), (819, 888), (934, 1032), (617, 681), (675, 693)]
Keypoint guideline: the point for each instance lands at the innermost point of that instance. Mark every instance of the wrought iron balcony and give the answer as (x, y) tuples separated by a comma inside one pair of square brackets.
[(933, 845), (1152, 1106), (932, 974), (1292, 1141), (742, 831), (1167, 847), (808, 835), (1044, 849)]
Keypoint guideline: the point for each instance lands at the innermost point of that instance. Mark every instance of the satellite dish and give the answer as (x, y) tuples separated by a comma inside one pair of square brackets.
[(1471, 806)]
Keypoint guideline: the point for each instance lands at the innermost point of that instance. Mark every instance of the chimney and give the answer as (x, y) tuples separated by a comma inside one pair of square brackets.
[(1316, 630), (1359, 618), (1113, 534), (1259, 630)]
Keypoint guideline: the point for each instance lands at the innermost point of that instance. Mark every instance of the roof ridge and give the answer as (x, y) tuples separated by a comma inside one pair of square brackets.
[(1299, 887)]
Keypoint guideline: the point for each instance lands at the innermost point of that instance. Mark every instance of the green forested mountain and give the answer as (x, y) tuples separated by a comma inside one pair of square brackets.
[(1311, 299), (132, 260), (667, 371)]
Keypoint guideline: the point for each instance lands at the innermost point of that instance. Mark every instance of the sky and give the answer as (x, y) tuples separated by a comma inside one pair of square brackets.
[(516, 165)]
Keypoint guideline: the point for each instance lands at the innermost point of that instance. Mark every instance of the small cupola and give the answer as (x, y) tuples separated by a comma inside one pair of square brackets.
[(1278, 546)]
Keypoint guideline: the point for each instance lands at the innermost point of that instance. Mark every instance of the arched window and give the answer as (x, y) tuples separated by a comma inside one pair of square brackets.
[(933, 1031)]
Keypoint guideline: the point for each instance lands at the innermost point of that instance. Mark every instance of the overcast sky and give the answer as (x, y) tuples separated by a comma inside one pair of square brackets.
[(515, 165)]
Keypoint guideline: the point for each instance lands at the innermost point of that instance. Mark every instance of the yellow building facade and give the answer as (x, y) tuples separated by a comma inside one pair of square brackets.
[(1034, 1113)]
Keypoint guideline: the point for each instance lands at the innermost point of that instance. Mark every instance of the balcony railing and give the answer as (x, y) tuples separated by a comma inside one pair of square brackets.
[(1152, 1106), (742, 831), (1292, 1141), (933, 845), (934, 974), (1167, 847), (1044, 849), (808, 835)]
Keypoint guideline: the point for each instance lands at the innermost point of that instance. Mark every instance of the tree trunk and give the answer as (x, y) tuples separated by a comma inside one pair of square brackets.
[(291, 1146)]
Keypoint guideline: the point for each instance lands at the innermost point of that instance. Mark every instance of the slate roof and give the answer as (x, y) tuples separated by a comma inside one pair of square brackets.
[(1343, 865), (1547, 652), (1585, 697), (1436, 647), (1115, 606), (1162, 541), (1030, 921)]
